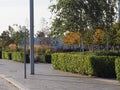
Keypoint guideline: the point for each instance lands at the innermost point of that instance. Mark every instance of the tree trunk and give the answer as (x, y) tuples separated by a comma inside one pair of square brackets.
[(93, 41), (82, 43), (107, 44)]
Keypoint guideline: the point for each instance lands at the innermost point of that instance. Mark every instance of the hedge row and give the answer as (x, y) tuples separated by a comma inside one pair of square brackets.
[(44, 58), (6, 55), (117, 68), (47, 58), (107, 53), (0, 55), (16, 56), (102, 66), (19, 56)]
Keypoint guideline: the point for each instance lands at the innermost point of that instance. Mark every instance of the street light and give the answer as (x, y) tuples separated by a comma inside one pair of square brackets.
[(119, 11), (24, 30), (32, 36)]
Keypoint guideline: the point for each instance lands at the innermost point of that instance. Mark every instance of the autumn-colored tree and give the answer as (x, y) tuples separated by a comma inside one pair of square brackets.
[(71, 38), (36, 48), (41, 49), (13, 47), (99, 36)]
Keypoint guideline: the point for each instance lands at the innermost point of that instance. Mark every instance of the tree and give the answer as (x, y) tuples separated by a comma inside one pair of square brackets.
[(19, 35), (113, 33), (40, 34), (117, 39), (88, 37), (99, 37), (71, 38), (5, 38), (44, 27), (11, 36), (12, 47), (0, 41), (68, 17), (11, 31), (78, 15)]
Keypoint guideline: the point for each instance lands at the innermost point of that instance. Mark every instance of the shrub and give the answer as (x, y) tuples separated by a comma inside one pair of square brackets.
[(3, 55), (15, 56), (102, 66), (44, 49), (18, 56), (69, 62), (47, 58), (7, 55), (117, 68), (36, 48), (12, 47), (44, 58), (38, 58), (107, 53), (0, 55)]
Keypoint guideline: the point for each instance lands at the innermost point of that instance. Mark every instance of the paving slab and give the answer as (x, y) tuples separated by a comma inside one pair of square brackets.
[(4, 85), (46, 78)]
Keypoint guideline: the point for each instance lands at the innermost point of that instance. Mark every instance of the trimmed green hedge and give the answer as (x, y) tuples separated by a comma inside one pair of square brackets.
[(117, 68), (15, 56), (47, 58), (7, 55), (102, 66), (107, 53), (0, 55), (18, 56)]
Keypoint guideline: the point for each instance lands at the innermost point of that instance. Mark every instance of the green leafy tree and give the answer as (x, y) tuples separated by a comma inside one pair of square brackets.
[(117, 39), (78, 15), (5, 39), (11, 36), (113, 34), (88, 37)]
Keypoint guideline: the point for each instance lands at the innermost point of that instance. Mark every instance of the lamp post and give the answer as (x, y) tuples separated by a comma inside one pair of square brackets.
[(24, 30), (119, 11), (32, 36)]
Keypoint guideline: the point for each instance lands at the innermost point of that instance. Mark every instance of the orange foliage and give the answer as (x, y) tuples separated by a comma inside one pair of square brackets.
[(99, 36), (45, 47), (13, 47), (71, 38), (36, 48), (42, 48)]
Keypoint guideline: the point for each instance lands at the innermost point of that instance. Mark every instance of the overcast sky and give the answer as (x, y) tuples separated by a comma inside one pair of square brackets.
[(17, 12)]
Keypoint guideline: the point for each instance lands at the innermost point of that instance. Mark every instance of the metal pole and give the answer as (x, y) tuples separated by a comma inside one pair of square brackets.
[(24, 30), (119, 11), (32, 36)]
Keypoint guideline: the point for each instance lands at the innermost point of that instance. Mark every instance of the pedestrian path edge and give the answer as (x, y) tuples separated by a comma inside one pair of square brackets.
[(13, 82)]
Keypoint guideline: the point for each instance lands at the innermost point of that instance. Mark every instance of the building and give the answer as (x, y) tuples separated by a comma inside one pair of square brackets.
[(54, 43)]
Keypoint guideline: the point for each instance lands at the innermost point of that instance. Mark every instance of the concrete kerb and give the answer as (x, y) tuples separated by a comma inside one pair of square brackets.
[(13, 82), (109, 81)]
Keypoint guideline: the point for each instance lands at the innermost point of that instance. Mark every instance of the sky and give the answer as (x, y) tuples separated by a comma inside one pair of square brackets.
[(17, 12)]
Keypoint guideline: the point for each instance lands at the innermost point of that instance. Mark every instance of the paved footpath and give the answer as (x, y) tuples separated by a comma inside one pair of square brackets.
[(46, 78), (4, 85)]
